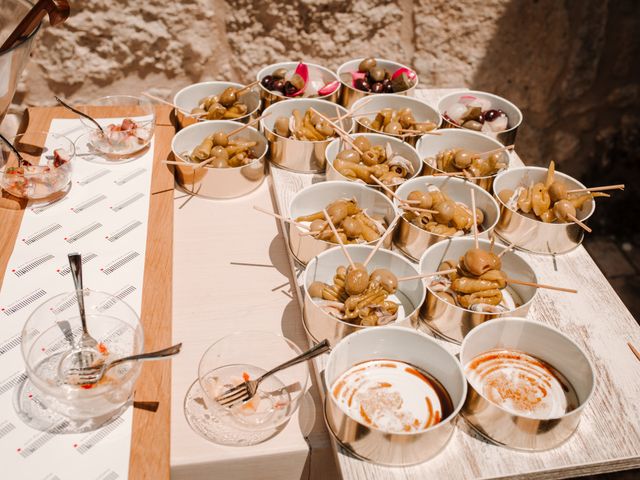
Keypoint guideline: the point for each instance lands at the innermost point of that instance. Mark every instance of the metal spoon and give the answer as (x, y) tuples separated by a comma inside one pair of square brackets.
[(94, 373), (78, 112), (21, 160)]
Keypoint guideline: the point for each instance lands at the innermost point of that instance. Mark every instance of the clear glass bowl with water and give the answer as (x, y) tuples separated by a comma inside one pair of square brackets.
[(52, 331)]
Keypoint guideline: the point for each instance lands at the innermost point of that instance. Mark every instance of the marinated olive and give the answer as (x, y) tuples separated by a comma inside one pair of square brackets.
[(290, 89), (228, 97), (297, 82), (377, 87), (386, 278), (505, 195), (445, 211), (349, 155), (477, 261), (357, 279), (564, 210), (219, 152), (279, 73), (362, 143), (479, 216), (491, 115), (338, 211), (377, 74), (557, 191), (315, 289), (219, 162), (220, 139), (462, 159), (278, 85), (281, 126), (393, 128), (362, 84), (267, 82), (423, 197), (367, 64), (472, 125), (352, 227)]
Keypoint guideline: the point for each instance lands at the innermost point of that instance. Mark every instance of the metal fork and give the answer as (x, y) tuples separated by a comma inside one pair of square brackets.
[(247, 390), (93, 374)]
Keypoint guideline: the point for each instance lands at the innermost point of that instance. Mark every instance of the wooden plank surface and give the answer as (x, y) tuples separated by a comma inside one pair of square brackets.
[(150, 436), (608, 438)]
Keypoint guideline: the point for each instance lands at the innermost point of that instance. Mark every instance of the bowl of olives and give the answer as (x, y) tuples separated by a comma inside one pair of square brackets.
[(215, 162), (361, 216), (368, 76), (483, 112), (298, 135), (215, 101), (405, 118), (285, 80)]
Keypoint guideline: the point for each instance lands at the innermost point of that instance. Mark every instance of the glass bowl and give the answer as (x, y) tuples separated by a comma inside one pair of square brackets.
[(51, 332), (50, 156), (128, 123), (247, 355)]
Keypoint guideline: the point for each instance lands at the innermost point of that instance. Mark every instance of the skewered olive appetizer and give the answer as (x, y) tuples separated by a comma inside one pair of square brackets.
[(226, 106), (476, 283), (371, 77), (357, 297), (477, 114), (547, 201), (397, 122), (471, 165), (452, 218), (309, 127), (352, 223), (220, 151), (303, 81), (383, 163)]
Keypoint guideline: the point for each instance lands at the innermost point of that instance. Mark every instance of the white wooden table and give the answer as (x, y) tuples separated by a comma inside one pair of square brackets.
[(608, 437)]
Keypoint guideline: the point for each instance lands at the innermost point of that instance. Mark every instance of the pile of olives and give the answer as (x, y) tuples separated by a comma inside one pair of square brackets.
[(219, 151), (226, 106), (378, 80), (276, 82)]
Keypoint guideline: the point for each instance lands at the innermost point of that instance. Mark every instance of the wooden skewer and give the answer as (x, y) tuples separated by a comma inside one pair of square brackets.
[(508, 249), (381, 240), (249, 124), (343, 134), (161, 100), (448, 174), (475, 217), (414, 132), (427, 275), (392, 193), (496, 150), (579, 223), (634, 350), (416, 209), (598, 189), (335, 233), (540, 285), (305, 234), (280, 217), (247, 87)]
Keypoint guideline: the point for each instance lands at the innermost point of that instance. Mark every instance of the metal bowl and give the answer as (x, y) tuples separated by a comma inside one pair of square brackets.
[(299, 155), (218, 182), (453, 322), (421, 111), (400, 344), (316, 197), (350, 95), (269, 97), (189, 97), (320, 325), (404, 149), (413, 240), (429, 146), (506, 137), (507, 428), (534, 235)]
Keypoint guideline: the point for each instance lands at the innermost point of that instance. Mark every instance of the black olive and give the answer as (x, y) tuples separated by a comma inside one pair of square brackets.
[(267, 82), (377, 87), (278, 85), (362, 84), (491, 115), (388, 88), (290, 89)]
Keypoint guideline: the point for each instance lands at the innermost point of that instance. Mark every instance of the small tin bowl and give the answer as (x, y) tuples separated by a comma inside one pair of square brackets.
[(350, 95), (189, 98), (402, 148), (505, 427), (421, 111), (300, 156), (534, 235), (506, 137), (270, 97), (413, 240), (452, 322), (316, 197), (212, 182), (320, 325), (401, 344), (429, 146)]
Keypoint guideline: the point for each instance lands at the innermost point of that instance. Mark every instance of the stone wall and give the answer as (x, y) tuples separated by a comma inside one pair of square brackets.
[(570, 65)]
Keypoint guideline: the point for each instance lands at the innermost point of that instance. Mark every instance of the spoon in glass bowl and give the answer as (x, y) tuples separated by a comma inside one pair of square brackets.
[(85, 352)]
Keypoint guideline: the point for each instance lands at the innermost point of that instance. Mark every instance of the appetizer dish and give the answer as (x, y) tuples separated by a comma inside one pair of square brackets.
[(549, 201), (478, 114), (357, 297), (372, 77), (469, 164), (38, 181), (122, 138), (309, 127), (391, 395), (305, 80), (397, 122), (452, 219), (521, 384), (219, 151), (229, 105), (352, 223), (382, 162)]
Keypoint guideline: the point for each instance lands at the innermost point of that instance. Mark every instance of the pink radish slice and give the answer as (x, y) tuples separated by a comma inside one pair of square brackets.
[(303, 70), (411, 75), (356, 76), (329, 88)]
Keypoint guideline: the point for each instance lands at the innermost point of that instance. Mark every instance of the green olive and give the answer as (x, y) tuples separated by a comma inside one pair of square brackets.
[(472, 125), (462, 159), (557, 191), (219, 152), (279, 73), (377, 74), (352, 227), (219, 162), (386, 279), (367, 64), (479, 216), (423, 197), (357, 279), (393, 128), (338, 211), (228, 97), (281, 127), (317, 225), (297, 82), (564, 210), (349, 155), (362, 143), (220, 139), (445, 210), (315, 289)]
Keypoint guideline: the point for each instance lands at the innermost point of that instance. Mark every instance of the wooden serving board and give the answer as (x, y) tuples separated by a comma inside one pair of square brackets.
[(608, 437), (150, 439)]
